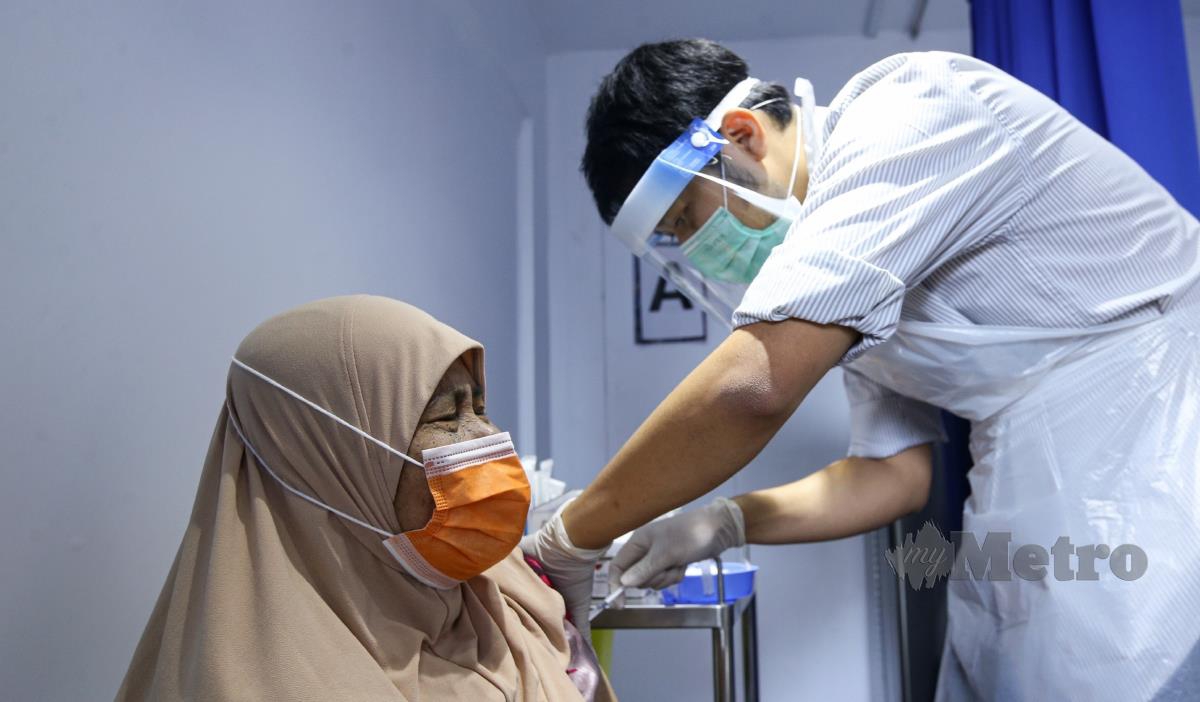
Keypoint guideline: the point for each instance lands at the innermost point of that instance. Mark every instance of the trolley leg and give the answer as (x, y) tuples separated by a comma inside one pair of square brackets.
[(722, 644), (750, 650)]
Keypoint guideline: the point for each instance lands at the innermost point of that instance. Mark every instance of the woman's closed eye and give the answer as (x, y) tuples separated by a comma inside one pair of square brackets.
[(455, 416)]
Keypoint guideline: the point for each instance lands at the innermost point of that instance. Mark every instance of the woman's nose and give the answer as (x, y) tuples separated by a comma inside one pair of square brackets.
[(473, 426)]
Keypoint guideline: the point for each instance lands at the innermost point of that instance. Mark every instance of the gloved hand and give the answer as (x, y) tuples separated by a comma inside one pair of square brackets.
[(570, 568), (658, 554)]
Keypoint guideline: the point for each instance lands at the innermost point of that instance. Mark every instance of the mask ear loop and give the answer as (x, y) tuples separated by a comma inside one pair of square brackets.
[(795, 156), (755, 106), (724, 190), (292, 393), (283, 483), (281, 387), (795, 153)]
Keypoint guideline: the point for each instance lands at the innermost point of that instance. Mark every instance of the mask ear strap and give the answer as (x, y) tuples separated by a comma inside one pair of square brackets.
[(804, 91), (796, 154), (253, 452), (724, 190), (281, 387)]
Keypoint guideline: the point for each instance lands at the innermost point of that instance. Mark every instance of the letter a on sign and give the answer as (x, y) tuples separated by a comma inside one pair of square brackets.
[(664, 291), (662, 313)]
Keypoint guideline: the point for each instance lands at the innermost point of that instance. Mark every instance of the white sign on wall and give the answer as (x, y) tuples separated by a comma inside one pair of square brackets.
[(662, 313)]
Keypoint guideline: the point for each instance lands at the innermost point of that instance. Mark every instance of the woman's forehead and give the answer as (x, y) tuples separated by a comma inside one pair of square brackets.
[(458, 381), (456, 376)]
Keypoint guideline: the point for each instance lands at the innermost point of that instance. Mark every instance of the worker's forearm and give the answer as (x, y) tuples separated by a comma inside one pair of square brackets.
[(847, 497), (675, 456), (706, 430)]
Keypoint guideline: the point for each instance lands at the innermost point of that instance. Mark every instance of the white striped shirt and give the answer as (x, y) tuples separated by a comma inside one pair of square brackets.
[(947, 191)]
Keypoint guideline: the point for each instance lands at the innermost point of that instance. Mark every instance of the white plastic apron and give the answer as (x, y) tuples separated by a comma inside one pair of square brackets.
[(1092, 434)]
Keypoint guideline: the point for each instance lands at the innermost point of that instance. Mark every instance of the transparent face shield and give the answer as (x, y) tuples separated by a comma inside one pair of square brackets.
[(705, 214)]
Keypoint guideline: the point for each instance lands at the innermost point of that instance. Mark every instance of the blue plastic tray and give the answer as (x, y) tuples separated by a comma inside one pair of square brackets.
[(739, 582)]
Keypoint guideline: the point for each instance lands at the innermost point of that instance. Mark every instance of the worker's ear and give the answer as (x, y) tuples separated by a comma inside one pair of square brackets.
[(744, 128)]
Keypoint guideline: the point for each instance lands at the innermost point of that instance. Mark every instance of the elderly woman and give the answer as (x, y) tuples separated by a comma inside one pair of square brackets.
[(323, 561)]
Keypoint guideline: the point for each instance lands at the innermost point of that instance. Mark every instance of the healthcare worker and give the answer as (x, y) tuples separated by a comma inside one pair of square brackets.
[(950, 238)]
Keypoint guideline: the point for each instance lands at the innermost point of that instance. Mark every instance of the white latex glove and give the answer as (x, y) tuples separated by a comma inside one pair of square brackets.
[(570, 568), (658, 554)]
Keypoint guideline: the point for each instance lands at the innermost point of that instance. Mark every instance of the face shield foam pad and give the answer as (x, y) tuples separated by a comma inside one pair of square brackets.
[(662, 183)]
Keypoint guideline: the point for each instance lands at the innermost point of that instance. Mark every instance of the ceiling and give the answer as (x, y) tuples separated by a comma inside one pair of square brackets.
[(578, 25)]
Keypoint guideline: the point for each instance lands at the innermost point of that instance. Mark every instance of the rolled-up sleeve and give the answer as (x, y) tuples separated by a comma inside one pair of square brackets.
[(915, 169), (884, 423)]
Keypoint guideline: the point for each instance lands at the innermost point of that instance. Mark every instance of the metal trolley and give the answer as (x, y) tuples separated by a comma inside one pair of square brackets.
[(721, 618)]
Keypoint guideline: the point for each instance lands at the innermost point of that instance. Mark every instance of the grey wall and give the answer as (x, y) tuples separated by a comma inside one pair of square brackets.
[(815, 634), (170, 175)]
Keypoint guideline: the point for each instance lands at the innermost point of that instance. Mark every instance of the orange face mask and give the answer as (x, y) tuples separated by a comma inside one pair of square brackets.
[(480, 495), (481, 499)]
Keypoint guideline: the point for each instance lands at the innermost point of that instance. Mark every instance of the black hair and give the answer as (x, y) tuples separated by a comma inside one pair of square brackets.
[(649, 99)]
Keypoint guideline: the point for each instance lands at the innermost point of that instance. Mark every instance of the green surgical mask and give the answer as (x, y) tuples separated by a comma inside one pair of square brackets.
[(725, 249)]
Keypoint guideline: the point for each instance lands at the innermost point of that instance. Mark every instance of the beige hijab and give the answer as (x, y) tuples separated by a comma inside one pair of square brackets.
[(273, 598)]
